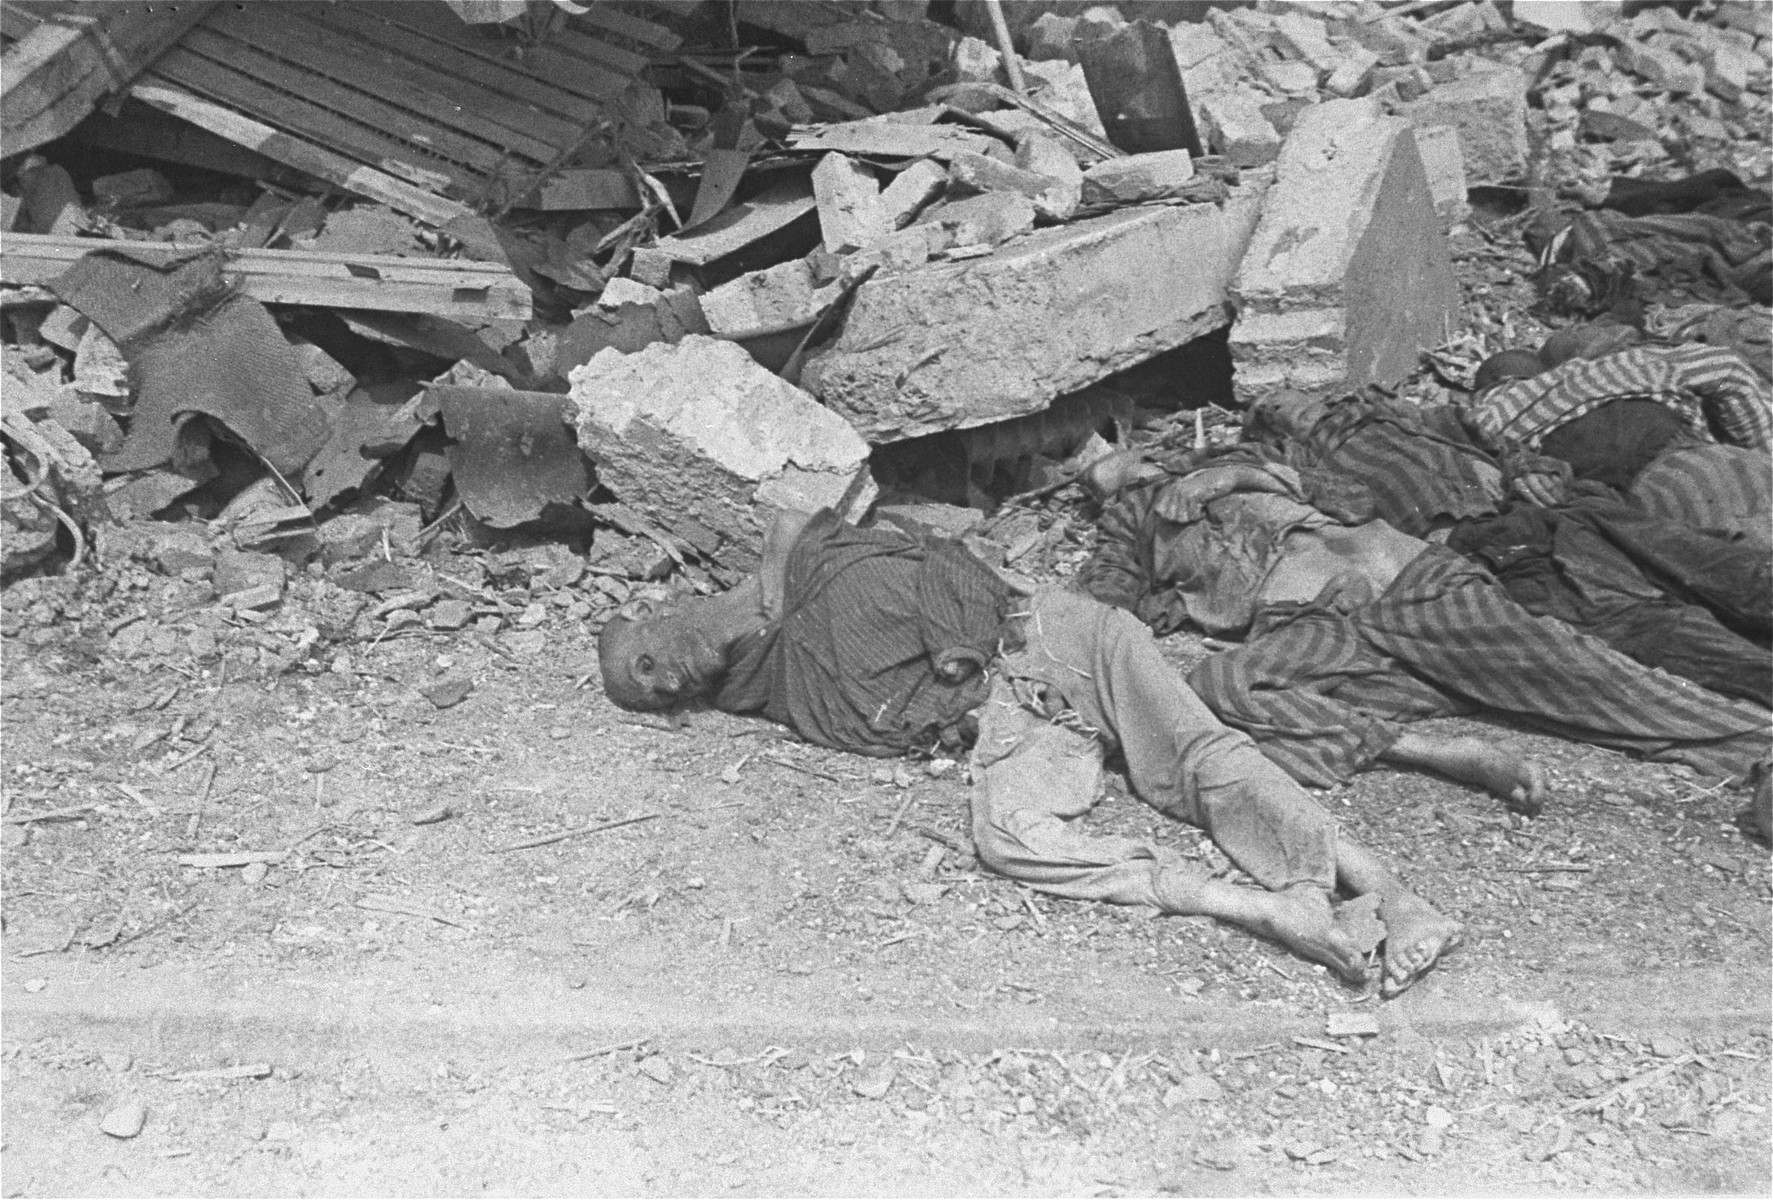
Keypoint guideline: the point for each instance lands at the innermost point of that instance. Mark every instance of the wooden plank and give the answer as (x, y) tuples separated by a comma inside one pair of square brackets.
[(562, 70), (482, 69), (55, 75), (595, 49), (312, 123), (399, 125), (15, 22), (452, 288), (453, 103), (635, 29), (292, 151)]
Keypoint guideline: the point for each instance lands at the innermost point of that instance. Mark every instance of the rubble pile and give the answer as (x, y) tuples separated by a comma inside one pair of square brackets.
[(528, 305)]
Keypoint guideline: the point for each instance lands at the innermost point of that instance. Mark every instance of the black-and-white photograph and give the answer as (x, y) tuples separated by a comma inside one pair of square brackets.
[(763, 598)]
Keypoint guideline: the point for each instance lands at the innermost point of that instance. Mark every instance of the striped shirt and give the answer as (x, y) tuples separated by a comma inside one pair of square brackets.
[(1716, 393)]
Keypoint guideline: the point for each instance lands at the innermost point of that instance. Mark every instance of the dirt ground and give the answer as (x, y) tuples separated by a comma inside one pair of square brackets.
[(791, 976)]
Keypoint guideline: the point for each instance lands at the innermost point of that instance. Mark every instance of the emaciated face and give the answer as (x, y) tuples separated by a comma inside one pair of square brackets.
[(1293, 414), (655, 654)]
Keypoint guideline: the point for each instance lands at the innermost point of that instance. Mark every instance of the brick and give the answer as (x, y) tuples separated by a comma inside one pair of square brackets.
[(1137, 178), (1489, 109), (953, 345), (1235, 127), (1347, 277), (1445, 167), (709, 445), (777, 298), (910, 191), (848, 196)]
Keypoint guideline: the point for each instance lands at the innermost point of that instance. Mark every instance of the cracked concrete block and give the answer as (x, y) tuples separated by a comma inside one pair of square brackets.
[(1347, 277), (970, 173), (710, 446), (1049, 38), (953, 345), (1046, 155), (1235, 127), (848, 196), (983, 220), (781, 297), (1137, 178), (911, 190), (1445, 167), (1489, 109)]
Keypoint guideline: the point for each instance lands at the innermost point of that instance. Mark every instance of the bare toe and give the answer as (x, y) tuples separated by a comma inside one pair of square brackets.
[(1417, 937)]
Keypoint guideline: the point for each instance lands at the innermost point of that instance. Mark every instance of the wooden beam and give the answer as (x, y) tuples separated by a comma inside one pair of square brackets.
[(292, 151), (452, 288), (55, 75)]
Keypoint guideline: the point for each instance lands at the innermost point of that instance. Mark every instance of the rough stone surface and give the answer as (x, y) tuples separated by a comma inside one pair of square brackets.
[(710, 446), (1138, 177), (1444, 164), (984, 220), (781, 297), (910, 190), (848, 196), (1235, 127), (953, 345), (1347, 276), (1049, 38), (1489, 109)]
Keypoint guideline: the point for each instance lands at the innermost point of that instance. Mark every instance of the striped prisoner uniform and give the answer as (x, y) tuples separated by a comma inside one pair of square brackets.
[(1325, 687)]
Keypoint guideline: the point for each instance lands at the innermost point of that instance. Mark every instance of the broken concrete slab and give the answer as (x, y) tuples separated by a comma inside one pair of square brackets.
[(1235, 127), (702, 441), (986, 220), (1138, 178), (629, 327), (1445, 165), (1489, 109), (848, 197), (975, 173), (1347, 277), (768, 301), (912, 189), (953, 345), (1044, 154)]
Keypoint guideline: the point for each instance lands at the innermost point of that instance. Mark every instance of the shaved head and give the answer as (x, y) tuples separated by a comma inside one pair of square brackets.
[(1510, 364)]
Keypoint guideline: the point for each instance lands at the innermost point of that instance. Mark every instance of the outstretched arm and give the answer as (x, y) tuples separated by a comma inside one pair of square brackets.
[(778, 543)]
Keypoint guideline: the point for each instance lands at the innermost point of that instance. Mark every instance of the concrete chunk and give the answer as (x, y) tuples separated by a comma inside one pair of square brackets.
[(1049, 38), (1236, 128), (1347, 276), (781, 297), (710, 446), (953, 345), (1445, 167), (1352, 73), (1138, 177), (910, 191), (848, 196), (984, 220), (1489, 109), (1046, 155), (1053, 199)]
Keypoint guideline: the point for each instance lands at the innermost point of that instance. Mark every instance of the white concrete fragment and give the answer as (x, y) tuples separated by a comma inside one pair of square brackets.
[(848, 196), (709, 445), (780, 297)]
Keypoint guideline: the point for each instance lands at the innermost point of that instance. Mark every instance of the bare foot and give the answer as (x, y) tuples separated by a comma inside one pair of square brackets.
[(1416, 936), (1300, 918), (1517, 782)]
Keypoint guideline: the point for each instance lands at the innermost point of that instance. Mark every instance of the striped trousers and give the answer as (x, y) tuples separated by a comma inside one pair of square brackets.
[(1728, 488), (1324, 692)]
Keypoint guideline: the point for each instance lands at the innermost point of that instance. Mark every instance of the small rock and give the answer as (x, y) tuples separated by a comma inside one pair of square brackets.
[(125, 1121), (36, 985), (451, 614), (875, 1082), (1436, 1117), (1432, 1141), (1664, 1045), (117, 1061), (447, 693), (924, 893), (254, 874), (1352, 1024), (560, 733), (939, 768), (432, 815)]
